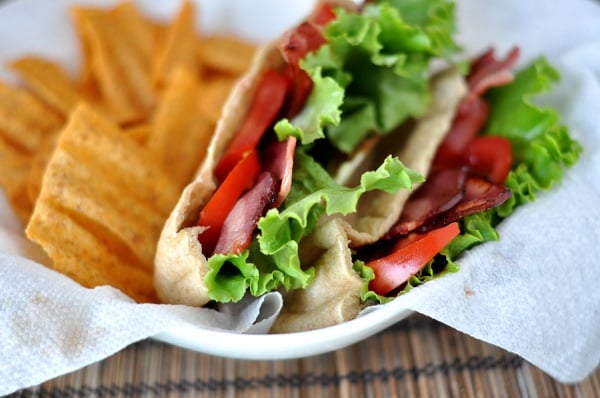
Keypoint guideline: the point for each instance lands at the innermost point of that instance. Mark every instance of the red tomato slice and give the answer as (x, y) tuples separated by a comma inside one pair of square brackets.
[(217, 208), (408, 256), (268, 102), (490, 157)]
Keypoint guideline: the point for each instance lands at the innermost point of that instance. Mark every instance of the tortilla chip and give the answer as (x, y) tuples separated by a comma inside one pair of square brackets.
[(49, 82), (226, 54), (14, 169), (101, 207), (179, 134), (140, 32), (104, 184), (25, 123), (39, 162), (24, 119), (214, 93), (178, 49), (119, 70), (334, 295), (86, 80), (80, 251), (139, 132)]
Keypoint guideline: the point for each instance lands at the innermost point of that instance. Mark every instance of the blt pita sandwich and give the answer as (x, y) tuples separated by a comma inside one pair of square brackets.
[(349, 167)]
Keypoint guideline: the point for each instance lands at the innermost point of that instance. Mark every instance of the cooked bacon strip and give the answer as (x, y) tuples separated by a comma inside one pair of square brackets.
[(469, 119), (479, 195), (239, 225), (487, 71), (279, 160), (446, 197), (294, 46), (442, 191)]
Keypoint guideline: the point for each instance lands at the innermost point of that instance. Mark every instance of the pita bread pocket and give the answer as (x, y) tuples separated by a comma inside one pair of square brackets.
[(182, 256), (308, 186)]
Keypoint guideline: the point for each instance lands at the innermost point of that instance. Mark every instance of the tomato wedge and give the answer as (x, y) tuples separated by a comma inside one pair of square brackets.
[(266, 105), (217, 208), (408, 256), (489, 157)]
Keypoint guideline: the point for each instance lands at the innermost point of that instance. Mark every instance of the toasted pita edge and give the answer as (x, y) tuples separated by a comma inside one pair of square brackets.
[(180, 265)]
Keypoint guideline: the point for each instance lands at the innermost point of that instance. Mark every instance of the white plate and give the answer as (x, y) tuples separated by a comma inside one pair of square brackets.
[(288, 345)]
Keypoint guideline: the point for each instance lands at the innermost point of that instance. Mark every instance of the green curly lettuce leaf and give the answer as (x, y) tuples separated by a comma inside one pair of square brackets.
[(542, 146), (322, 108), (380, 60)]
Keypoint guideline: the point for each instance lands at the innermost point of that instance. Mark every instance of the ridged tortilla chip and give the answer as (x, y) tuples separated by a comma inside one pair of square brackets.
[(101, 207), (103, 155), (179, 134), (117, 67), (49, 82), (38, 167), (26, 123), (178, 47), (226, 54), (14, 169), (24, 119), (139, 133), (214, 93), (138, 30)]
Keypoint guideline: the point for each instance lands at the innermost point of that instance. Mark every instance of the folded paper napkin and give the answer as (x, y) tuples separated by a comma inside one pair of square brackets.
[(534, 293)]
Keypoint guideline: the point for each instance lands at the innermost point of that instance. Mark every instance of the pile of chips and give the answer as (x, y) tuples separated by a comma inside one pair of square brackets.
[(94, 164)]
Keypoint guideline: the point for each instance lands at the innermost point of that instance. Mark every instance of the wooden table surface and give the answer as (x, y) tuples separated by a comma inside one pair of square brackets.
[(417, 357)]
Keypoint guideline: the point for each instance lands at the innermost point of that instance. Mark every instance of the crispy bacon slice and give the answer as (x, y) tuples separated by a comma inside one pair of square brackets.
[(297, 43), (294, 46), (239, 225), (280, 163), (442, 191), (479, 195), (469, 119), (446, 197), (487, 71)]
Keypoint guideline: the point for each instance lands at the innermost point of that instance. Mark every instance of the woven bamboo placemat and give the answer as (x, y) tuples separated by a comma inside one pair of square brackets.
[(417, 357)]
